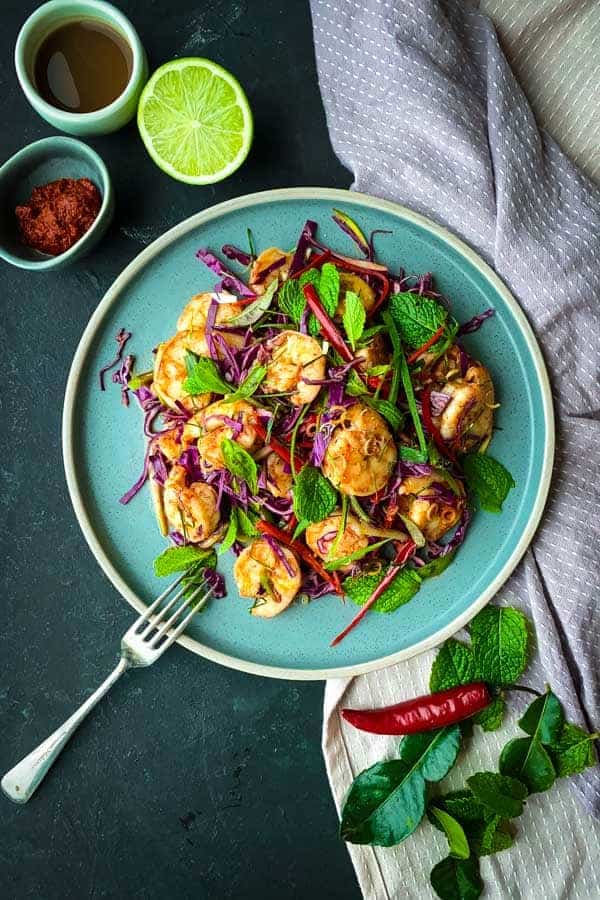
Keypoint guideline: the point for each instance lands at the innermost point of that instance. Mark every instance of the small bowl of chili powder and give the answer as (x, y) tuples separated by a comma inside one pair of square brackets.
[(56, 202)]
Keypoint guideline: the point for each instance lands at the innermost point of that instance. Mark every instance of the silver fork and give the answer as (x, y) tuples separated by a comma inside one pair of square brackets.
[(141, 645)]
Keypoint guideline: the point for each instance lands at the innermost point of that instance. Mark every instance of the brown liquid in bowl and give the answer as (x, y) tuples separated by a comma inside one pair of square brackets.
[(82, 66)]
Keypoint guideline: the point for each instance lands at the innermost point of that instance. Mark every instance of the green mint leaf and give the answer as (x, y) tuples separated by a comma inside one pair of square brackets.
[(231, 533), (355, 386), (389, 411), (544, 719), (416, 318), (250, 384), (527, 760), (254, 311), (383, 369), (369, 333), (179, 559), (291, 300), (499, 639), (354, 318), (314, 496), (203, 377), (487, 478), (491, 718), (246, 524), (328, 289), (240, 463), (411, 454), (300, 529), (463, 806), (385, 804), (433, 752), (402, 589), (455, 833), (501, 794), (436, 566), (454, 664), (491, 836), (195, 575), (457, 879), (573, 751)]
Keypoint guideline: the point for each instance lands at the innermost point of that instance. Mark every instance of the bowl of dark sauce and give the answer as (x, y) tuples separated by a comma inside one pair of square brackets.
[(81, 66)]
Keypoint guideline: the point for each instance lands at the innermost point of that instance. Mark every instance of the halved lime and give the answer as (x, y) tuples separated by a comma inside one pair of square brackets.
[(195, 120)]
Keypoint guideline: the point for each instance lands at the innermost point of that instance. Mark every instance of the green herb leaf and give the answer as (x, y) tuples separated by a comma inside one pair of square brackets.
[(454, 664), (501, 794), (246, 524), (491, 836), (417, 318), (328, 289), (195, 575), (499, 639), (300, 528), (573, 751), (412, 404), (436, 566), (527, 760), (203, 377), (487, 478), (457, 879), (354, 317), (411, 454), (544, 719), (231, 533), (463, 806), (433, 752), (342, 561), (250, 384), (314, 496), (457, 839), (255, 310), (402, 589), (240, 463), (386, 802), (355, 386), (369, 333), (389, 411), (492, 716), (291, 300), (178, 559)]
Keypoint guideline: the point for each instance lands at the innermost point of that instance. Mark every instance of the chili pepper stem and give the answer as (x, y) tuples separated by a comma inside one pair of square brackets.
[(522, 688)]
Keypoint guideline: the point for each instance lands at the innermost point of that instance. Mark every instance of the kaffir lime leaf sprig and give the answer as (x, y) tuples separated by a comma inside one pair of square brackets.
[(387, 802)]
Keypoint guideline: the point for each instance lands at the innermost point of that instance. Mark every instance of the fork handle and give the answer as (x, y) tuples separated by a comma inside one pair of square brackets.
[(22, 780)]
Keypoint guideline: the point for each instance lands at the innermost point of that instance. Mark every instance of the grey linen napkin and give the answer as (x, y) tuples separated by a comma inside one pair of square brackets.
[(423, 108)]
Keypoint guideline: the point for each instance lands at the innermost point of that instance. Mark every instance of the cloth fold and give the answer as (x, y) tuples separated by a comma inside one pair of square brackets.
[(424, 109)]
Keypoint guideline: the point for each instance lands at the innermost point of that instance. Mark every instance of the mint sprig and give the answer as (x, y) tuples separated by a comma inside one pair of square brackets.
[(488, 479), (314, 496)]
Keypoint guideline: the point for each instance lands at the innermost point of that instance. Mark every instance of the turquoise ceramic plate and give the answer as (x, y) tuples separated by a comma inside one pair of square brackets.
[(104, 448)]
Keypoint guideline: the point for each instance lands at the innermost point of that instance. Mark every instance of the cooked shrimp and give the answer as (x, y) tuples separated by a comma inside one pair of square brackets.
[(191, 509), (375, 353), (195, 313), (361, 453), (170, 445), (294, 357), (351, 282), (170, 370), (417, 499), (321, 537), (468, 418), (236, 420), (258, 281), (260, 574), (279, 476)]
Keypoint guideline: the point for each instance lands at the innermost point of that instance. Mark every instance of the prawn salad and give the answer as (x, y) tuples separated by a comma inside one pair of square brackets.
[(318, 415)]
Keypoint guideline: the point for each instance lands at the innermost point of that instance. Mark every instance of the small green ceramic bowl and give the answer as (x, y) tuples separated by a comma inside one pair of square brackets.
[(46, 19), (39, 163)]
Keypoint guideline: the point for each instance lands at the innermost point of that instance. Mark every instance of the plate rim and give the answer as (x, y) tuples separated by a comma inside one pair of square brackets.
[(337, 197)]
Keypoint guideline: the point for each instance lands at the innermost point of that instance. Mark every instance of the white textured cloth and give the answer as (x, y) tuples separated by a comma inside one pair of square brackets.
[(424, 109)]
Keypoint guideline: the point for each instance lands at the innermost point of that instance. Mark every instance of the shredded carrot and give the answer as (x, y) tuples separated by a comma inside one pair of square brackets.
[(425, 347)]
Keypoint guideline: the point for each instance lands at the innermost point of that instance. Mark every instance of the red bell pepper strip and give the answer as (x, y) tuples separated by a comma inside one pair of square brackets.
[(303, 552), (404, 552), (277, 447), (328, 329), (422, 713), (425, 347), (432, 428)]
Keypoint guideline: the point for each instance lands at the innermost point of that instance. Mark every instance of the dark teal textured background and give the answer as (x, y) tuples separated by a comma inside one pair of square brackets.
[(189, 780)]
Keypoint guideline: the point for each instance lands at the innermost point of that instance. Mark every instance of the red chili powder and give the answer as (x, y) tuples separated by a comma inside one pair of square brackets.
[(58, 213)]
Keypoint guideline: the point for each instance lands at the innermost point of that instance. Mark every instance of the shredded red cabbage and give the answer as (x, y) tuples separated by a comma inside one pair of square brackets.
[(215, 581), (135, 488), (439, 401), (305, 242), (121, 338), (229, 282), (236, 254), (277, 550), (159, 466), (475, 323)]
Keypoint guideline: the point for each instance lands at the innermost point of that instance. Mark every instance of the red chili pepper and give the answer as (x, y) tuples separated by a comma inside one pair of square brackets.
[(424, 347), (432, 428), (328, 329), (423, 713), (404, 552), (277, 447), (302, 551)]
